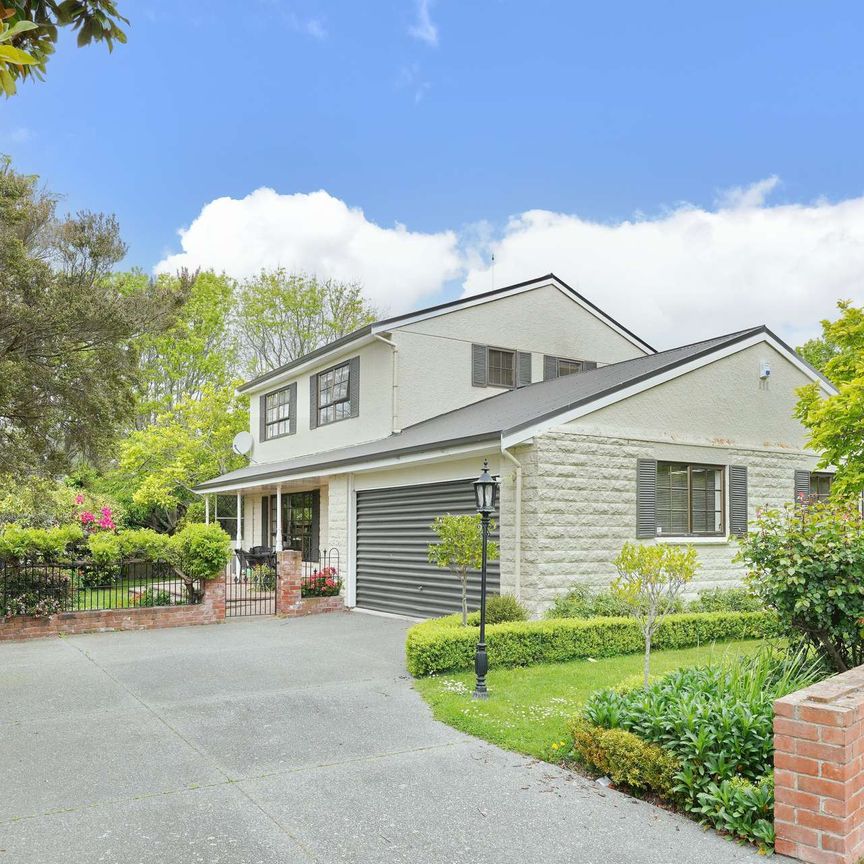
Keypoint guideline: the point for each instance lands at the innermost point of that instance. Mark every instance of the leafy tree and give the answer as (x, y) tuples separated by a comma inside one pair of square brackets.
[(160, 464), (835, 423), (68, 366), (29, 31), (806, 562), (460, 549), (198, 349), (282, 316), (650, 578), (41, 502)]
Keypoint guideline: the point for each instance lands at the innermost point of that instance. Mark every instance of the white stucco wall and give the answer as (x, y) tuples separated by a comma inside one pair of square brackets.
[(374, 420), (435, 354)]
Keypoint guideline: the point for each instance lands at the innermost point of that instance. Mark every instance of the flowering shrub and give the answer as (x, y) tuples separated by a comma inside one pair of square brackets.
[(34, 590), (322, 583)]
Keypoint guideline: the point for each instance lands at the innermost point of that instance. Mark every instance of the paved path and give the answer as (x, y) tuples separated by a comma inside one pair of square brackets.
[(267, 741)]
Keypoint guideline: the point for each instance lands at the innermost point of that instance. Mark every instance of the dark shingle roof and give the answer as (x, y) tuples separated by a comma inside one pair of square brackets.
[(491, 418)]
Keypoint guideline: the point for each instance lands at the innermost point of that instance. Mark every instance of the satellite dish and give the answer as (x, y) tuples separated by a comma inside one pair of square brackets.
[(242, 443)]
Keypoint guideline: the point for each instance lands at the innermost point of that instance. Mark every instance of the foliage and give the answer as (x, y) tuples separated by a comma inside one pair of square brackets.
[(67, 363), (282, 316), (197, 349), (581, 601), (29, 30), (322, 583), (200, 551), (806, 562), (650, 578), (834, 423), (442, 644), (500, 608), (460, 548), (725, 600), (532, 708), (262, 577), (625, 758), (18, 543), (144, 543), (160, 465), (151, 597), (717, 721)]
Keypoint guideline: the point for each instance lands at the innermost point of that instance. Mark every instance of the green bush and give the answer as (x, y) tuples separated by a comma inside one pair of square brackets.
[(108, 547), (625, 758), (39, 544), (806, 563), (717, 722), (725, 600), (500, 608), (201, 551), (151, 598), (444, 645), (584, 602)]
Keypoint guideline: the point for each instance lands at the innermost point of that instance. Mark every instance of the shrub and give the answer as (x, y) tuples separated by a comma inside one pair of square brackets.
[(200, 551), (583, 602), (38, 544), (624, 758), (155, 598), (500, 608), (806, 563), (444, 645), (717, 722), (322, 583), (112, 548), (34, 590), (263, 577), (725, 600)]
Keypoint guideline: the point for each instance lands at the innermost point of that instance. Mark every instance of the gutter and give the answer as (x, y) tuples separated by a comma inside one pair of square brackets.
[(517, 522)]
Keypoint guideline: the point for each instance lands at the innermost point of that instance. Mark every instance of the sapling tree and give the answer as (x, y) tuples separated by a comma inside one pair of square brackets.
[(650, 579), (460, 549)]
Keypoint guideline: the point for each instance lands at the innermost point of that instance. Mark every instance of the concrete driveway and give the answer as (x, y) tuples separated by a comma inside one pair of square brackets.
[(264, 741)]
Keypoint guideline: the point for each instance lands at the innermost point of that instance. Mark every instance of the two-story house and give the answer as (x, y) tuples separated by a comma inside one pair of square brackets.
[(598, 440)]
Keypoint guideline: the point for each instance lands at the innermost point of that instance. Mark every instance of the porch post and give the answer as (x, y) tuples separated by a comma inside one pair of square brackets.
[(238, 541), (207, 509), (279, 518)]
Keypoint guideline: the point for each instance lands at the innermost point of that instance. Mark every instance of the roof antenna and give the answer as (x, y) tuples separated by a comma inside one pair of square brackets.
[(493, 271)]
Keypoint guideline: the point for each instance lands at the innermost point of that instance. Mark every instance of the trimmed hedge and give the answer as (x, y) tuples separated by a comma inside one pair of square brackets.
[(444, 645)]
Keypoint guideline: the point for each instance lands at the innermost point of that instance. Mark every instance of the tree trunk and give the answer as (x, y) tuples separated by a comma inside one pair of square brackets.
[(647, 669), (464, 599)]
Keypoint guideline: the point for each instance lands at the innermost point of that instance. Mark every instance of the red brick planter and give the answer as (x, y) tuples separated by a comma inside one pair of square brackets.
[(289, 602), (210, 610)]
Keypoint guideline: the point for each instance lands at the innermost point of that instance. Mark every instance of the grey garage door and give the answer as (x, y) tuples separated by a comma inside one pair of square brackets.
[(393, 533)]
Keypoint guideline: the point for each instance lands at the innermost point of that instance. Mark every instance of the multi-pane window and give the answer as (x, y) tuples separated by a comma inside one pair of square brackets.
[(501, 368), (820, 486), (334, 399), (568, 367), (226, 515), (277, 413), (689, 499)]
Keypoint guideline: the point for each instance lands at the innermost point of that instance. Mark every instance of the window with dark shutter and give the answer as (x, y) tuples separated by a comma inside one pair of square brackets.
[(558, 367), (278, 411), (550, 367), (646, 504), (523, 368), (478, 365), (335, 393), (738, 500), (689, 500), (802, 486)]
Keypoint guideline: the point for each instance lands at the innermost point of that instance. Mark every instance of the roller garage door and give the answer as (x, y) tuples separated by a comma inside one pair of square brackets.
[(393, 533)]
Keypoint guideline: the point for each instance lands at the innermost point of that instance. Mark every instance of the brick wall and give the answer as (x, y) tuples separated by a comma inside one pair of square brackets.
[(819, 771), (210, 610), (289, 602)]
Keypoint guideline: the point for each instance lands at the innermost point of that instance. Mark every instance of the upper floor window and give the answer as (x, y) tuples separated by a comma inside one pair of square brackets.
[(502, 368), (278, 413), (335, 393), (568, 367), (556, 367), (499, 367), (689, 500)]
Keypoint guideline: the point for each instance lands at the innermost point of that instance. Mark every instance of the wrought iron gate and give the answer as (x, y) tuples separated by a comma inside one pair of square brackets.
[(250, 586)]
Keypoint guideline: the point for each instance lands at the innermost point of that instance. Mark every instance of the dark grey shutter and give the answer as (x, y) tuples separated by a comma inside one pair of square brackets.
[(354, 385), (265, 520), (588, 365), (737, 500), (313, 401), (802, 485), (550, 367), (315, 540), (646, 497), (292, 409), (478, 365), (262, 425), (523, 368)]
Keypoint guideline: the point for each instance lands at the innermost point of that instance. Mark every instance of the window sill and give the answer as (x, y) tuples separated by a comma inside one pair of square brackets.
[(694, 541)]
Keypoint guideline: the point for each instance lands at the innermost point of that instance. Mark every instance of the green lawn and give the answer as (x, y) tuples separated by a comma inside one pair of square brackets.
[(529, 708)]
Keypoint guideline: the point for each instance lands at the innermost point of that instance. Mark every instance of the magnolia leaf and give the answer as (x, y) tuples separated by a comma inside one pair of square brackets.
[(17, 28), (7, 82), (15, 55)]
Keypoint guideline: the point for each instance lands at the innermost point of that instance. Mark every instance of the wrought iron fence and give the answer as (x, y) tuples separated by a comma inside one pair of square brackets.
[(45, 588), (322, 578)]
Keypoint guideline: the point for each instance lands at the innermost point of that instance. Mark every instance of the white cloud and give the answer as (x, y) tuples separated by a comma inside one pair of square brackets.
[(424, 29), (16, 135), (692, 273), (320, 234), (313, 27)]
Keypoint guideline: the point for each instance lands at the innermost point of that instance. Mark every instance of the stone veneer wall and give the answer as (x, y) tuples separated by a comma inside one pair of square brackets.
[(579, 508)]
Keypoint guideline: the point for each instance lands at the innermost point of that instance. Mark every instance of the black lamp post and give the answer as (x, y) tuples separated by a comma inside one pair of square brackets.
[(485, 493)]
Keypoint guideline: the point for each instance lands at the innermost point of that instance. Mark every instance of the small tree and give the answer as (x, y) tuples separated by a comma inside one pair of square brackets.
[(650, 578), (459, 549)]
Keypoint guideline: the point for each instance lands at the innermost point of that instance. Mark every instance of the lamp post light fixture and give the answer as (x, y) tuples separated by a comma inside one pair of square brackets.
[(485, 494)]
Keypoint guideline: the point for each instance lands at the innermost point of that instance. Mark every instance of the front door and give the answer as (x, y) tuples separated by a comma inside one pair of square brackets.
[(300, 522)]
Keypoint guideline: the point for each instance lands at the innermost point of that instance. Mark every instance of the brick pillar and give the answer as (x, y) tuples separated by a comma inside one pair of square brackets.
[(819, 771), (289, 566), (214, 598)]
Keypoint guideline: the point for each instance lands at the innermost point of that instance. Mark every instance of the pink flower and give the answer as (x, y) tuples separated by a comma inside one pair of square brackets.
[(87, 517), (79, 498)]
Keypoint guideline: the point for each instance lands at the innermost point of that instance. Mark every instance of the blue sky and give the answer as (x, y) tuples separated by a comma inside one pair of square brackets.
[(453, 118)]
